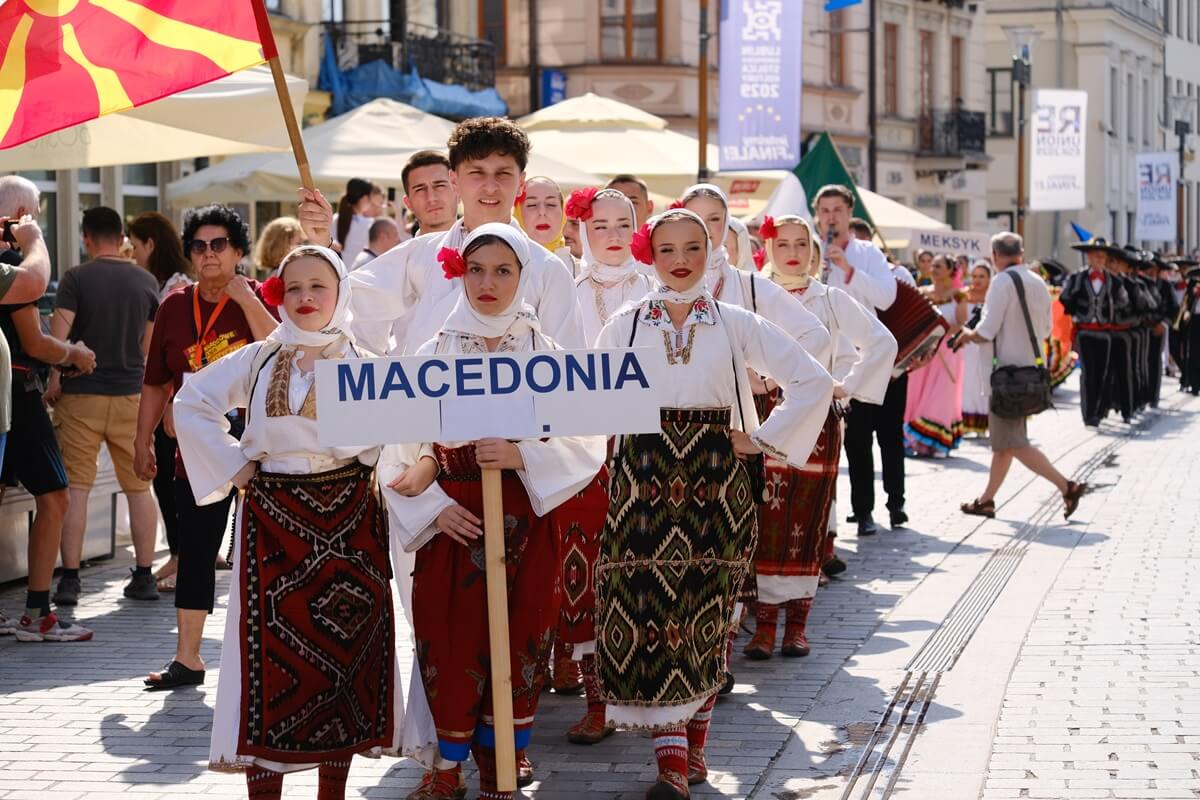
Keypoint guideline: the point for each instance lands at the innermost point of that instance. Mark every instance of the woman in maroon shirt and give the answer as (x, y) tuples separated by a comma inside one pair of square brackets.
[(194, 327)]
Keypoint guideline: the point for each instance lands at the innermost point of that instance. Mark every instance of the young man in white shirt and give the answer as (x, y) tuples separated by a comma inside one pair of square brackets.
[(859, 268)]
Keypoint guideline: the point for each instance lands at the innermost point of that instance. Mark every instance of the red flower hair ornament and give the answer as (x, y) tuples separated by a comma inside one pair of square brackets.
[(272, 291), (760, 257), (641, 247), (676, 204), (767, 229), (453, 265), (579, 204)]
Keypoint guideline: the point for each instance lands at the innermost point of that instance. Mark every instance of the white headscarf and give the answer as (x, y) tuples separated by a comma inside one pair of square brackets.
[(288, 332), (606, 274), (519, 316), (700, 288), (745, 260), (717, 256)]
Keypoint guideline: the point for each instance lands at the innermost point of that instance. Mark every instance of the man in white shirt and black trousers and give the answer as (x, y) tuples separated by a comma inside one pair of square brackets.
[(860, 269)]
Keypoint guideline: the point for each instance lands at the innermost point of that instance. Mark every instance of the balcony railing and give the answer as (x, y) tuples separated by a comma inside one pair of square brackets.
[(438, 54), (952, 133)]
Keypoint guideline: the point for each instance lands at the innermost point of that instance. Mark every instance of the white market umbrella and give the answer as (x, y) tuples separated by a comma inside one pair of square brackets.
[(608, 137), (236, 114), (372, 141)]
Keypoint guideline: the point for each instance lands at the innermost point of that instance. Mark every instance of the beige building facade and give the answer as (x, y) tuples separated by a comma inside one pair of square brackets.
[(1112, 50)]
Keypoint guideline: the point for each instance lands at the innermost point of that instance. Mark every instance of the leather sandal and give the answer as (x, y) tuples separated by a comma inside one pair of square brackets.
[(1071, 497), (174, 676), (978, 509)]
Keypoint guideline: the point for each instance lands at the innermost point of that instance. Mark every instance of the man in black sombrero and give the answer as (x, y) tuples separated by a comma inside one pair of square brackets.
[(1158, 322), (1191, 329), (1177, 276), (1095, 298)]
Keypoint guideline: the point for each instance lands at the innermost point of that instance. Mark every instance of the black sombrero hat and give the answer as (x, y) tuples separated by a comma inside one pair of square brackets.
[(1094, 243)]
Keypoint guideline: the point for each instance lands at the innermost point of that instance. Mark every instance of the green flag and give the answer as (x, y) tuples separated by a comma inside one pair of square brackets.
[(822, 165)]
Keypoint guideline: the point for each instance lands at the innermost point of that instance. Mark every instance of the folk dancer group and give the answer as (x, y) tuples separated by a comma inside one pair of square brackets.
[(1122, 309), (635, 555)]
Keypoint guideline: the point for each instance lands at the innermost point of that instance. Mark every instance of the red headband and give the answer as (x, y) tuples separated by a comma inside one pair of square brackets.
[(767, 229), (272, 291), (641, 247), (579, 204), (453, 265)]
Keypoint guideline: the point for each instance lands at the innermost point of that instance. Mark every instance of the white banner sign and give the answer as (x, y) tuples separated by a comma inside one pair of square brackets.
[(1156, 180), (509, 395), (1058, 150), (975, 245)]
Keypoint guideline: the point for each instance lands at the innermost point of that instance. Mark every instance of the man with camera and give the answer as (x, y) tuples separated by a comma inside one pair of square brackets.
[(1016, 320), (32, 457)]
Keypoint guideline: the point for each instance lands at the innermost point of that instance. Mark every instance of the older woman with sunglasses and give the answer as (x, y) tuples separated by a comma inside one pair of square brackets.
[(194, 327)]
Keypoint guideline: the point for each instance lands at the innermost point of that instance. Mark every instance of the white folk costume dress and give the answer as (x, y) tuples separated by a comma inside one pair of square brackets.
[(682, 517), (976, 384), (405, 287), (308, 669), (603, 290), (449, 593), (798, 520)]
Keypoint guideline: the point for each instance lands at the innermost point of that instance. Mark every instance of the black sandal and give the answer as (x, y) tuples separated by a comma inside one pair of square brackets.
[(174, 676), (978, 509), (1071, 497)]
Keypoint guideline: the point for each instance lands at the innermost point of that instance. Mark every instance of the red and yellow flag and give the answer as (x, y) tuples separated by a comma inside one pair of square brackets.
[(63, 62)]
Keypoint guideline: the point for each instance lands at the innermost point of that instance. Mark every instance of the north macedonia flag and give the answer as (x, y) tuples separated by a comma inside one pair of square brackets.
[(63, 62)]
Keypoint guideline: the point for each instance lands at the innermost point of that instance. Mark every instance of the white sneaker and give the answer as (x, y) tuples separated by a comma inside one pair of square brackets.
[(50, 629)]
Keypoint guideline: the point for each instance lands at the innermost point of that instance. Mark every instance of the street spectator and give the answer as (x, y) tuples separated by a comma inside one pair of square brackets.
[(221, 313), (31, 456), (110, 303), (158, 249), (384, 235), (1003, 325), (861, 229), (924, 267), (361, 203), (281, 236), (428, 192)]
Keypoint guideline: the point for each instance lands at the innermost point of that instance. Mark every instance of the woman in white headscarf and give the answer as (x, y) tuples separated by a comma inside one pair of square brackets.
[(309, 672), (610, 276), (738, 247), (681, 523), (438, 504), (796, 528)]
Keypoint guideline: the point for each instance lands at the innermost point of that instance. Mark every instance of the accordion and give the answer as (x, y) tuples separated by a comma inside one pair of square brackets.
[(916, 324)]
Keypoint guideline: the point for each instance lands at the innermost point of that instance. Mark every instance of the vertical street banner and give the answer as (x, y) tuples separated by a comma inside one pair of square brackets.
[(1156, 182), (760, 84), (1057, 150)]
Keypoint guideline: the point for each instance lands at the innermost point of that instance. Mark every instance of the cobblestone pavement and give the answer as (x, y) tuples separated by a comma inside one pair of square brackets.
[(1110, 662)]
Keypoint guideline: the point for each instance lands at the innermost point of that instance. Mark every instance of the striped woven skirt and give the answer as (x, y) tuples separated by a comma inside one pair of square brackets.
[(793, 525), (677, 543)]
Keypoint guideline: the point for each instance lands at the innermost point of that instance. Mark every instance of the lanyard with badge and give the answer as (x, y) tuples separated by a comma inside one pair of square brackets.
[(196, 355)]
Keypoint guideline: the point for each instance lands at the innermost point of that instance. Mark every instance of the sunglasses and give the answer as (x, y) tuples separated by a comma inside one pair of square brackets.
[(217, 245)]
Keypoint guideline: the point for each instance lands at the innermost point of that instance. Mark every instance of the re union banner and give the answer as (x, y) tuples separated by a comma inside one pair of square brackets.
[(1057, 150)]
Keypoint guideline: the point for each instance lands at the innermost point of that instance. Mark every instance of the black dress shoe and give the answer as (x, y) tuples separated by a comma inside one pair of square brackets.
[(852, 519), (867, 526), (898, 519)]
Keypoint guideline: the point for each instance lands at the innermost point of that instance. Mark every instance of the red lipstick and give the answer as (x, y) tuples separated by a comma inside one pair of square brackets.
[(486, 298), (306, 310)]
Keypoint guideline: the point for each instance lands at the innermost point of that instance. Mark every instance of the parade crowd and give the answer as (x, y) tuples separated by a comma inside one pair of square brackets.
[(631, 562)]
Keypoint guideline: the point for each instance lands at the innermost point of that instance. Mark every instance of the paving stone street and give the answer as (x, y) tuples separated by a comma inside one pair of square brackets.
[(1045, 659)]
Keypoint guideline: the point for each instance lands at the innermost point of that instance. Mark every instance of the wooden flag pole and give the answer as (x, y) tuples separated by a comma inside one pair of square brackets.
[(497, 595), (293, 126)]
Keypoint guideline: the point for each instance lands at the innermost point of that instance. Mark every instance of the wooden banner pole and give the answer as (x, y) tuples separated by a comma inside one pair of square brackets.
[(497, 595), (293, 126)]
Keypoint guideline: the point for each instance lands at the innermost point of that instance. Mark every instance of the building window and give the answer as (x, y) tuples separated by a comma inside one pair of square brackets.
[(956, 71), (334, 10), (630, 30), (139, 189), (1130, 105), (492, 14), (891, 68), (1146, 115), (46, 181), (925, 78), (1000, 108), (1114, 100), (1131, 225), (837, 49)]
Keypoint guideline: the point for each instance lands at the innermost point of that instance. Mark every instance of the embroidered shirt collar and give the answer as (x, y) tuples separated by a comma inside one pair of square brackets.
[(656, 315)]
